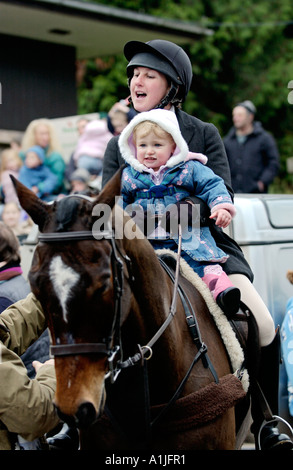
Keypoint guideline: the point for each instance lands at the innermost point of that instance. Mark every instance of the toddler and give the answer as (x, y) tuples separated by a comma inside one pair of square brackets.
[(163, 172), (36, 175)]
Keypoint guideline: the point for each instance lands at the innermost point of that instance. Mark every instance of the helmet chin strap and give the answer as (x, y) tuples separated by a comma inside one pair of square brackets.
[(168, 98)]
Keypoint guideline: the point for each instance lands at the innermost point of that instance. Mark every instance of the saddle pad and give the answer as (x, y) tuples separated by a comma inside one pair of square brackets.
[(229, 338)]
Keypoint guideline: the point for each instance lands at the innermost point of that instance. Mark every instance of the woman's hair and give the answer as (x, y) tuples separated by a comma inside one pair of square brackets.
[(8, 155), (29, 139), (9, 244), (146, 127)]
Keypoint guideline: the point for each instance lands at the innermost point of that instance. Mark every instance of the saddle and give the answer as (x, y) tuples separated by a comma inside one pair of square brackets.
[(242, 323)]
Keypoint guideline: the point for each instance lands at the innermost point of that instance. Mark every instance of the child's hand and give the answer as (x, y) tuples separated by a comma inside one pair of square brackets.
[(35, 189), (222, 216)]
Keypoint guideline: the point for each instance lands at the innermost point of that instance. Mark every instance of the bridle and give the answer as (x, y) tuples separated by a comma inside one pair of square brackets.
[(112, 344)]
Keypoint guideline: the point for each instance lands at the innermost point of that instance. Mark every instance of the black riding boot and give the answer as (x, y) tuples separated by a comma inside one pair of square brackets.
[(268, 380)]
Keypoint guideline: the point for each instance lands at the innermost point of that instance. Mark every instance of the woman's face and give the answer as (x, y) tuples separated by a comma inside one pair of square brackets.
[(42, 135), (147, 88)]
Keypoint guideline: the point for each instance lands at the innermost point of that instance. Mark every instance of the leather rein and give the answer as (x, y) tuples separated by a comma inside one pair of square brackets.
[(112, 346)]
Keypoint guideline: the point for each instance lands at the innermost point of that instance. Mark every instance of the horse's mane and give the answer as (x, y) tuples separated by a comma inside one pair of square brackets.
[(137, 244)]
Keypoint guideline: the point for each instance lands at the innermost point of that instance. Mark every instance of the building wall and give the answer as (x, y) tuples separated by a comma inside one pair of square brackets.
[(37, 79)]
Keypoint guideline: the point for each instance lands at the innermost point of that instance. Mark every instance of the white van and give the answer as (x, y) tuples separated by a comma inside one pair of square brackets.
[(263, 227)]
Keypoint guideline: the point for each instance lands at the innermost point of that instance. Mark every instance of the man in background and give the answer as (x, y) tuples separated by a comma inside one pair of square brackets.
[(252, 152)]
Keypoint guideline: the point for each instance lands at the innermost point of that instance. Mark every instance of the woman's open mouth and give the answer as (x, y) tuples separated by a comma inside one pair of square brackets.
[(140, 95)]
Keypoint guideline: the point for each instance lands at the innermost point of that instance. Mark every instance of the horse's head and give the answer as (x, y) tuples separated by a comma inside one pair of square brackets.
[(72, 277)]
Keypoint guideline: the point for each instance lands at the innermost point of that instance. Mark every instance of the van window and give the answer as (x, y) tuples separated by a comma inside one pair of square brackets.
[(280, 212)]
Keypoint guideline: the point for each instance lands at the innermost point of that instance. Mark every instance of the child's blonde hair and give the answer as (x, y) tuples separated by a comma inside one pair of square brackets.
[(8, 155), (146, 127)]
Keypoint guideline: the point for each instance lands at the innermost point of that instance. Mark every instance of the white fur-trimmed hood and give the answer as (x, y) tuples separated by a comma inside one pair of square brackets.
[(168, 121)]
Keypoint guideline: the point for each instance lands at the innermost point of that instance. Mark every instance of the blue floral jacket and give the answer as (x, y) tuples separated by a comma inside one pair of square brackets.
[(190, 178)]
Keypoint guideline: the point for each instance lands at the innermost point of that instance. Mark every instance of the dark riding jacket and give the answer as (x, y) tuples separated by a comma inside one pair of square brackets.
[(204, 138)]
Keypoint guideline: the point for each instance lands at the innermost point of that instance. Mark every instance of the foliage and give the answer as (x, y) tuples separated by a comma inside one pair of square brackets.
[(249, 56)]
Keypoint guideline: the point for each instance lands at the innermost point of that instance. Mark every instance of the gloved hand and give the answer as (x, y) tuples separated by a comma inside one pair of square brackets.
[(146, 221), (203, 209), (183, 212)]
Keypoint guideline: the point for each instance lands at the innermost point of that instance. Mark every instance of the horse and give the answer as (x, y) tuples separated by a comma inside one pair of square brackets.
[(139, 359)]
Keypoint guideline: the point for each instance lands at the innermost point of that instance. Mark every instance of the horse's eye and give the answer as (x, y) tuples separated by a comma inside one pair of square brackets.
[(101, 289), (95, 257)]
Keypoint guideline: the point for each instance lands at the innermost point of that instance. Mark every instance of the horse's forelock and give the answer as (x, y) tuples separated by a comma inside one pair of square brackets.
[(66, 212)]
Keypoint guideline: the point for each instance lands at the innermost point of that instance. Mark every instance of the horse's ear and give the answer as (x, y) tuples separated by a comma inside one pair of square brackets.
[(111, 189), (37, 209)]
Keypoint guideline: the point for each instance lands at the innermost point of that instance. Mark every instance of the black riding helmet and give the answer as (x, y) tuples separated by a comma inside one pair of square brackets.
[(165, 57)]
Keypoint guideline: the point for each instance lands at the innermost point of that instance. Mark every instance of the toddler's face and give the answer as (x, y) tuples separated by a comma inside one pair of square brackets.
[(32, 160), (153, 151), (12, 165), (78, 186)]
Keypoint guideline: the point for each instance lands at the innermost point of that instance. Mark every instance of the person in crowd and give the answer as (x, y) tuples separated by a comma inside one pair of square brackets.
[(27, 411), (24, 402), (15, 144), (81, 123), (36, 175), (91, 146), (162, 172), (252, 152), (13, 287), (287, 344), (79, 181), (16, 219), (97, 137), (41, 132), (71, 166), (119, 116), (10, 165), (159, 76)]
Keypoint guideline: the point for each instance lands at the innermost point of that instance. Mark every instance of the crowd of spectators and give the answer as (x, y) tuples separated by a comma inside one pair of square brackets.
[(38, 162)]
